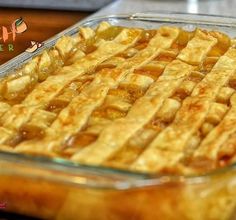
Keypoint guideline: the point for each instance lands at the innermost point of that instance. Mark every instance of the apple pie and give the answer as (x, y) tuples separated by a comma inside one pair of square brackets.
[(154, 101)]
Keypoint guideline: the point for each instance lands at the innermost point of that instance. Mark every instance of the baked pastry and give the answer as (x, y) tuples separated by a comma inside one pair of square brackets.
[(143, 100)]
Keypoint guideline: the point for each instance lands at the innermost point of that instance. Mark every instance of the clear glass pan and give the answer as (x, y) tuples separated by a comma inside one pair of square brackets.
[(59, 189)]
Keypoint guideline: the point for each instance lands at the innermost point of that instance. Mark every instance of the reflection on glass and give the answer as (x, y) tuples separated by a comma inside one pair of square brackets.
[(192, 6)]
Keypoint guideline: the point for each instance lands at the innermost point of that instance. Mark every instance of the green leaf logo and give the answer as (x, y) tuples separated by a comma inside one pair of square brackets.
[(19, 21)]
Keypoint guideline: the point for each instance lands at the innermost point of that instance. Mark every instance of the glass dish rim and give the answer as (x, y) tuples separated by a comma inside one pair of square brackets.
[(138, 179)]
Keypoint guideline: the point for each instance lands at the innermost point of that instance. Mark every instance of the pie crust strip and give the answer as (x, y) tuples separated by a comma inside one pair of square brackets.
[(172, 140), (195, 52), (113, 137), (217, 137), (47, 90), (95, 94), (118, 132), (76, 114)]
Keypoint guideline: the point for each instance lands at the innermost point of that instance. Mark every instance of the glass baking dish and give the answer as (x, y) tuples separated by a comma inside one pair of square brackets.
[(59, 189)]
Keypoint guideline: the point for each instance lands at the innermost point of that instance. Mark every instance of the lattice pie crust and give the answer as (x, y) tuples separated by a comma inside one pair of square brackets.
[(143, 100)]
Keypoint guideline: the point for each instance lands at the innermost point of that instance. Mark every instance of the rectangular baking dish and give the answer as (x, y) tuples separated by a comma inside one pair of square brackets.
[(59, 189)]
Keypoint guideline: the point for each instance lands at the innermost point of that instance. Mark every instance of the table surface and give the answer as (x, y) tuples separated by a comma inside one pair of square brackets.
[(217, 7), (42, 24)]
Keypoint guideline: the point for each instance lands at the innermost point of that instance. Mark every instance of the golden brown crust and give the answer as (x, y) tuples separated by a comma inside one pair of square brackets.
[(146, 100)]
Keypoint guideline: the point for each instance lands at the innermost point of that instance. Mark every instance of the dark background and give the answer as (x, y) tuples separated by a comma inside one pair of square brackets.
[(9, 216)]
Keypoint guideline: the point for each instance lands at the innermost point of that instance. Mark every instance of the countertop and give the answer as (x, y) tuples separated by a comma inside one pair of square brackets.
[(217, 7)]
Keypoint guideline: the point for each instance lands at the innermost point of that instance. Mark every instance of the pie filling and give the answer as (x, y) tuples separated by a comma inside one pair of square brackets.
[(158, 101)]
